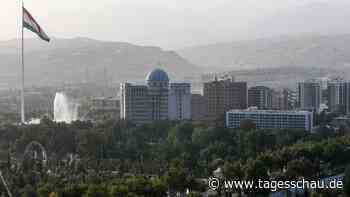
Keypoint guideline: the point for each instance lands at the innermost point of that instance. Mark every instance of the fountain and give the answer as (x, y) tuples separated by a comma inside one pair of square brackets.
[(65, 110), (34, 121)]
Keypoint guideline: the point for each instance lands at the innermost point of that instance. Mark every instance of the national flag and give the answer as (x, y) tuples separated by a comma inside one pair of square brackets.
[(30, 23)]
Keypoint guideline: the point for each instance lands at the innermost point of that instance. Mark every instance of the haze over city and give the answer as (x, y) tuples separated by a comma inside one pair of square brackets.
[(164, 23), (181, 98)]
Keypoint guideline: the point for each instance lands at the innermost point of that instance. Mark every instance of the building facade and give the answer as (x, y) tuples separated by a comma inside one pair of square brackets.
[(158, 91), (260, 97), (102, 103), (103, 108), (223, 95), (271, 119), (157, 100), (198, 107), (135, 103), (309, 96), (347, 98), (180, 101), (289, 99), (336, 95)]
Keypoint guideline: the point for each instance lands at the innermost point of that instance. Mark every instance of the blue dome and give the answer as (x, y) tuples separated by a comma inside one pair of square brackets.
[(157, 75)]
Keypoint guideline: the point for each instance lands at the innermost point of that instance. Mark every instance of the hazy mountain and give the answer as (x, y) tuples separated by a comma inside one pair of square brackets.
[(85, 60), (283, 77), (302, 50), (289, 37)]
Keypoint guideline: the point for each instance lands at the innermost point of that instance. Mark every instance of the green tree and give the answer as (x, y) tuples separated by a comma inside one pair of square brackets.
[(300, 168), (53, 194), (234, 171), (119, 190), (44, 191), (175, 176), (96, 191), (90, 144), (28, 191), (334, 153), (256, 170), (75, 190), (247, 125), (158, 187)]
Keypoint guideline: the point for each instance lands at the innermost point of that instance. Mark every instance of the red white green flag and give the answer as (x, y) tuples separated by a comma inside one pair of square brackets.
[(30, 23)]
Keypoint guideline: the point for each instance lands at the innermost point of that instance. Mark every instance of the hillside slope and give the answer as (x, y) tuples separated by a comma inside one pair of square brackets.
[(302, 50), (84, 60)]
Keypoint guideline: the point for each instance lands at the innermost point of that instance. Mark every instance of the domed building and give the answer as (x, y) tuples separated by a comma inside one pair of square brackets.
[(158, 90), (157, 100), (157, 75)]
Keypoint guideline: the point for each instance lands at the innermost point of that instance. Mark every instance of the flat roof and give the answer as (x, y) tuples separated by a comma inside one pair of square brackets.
[(268, 111)]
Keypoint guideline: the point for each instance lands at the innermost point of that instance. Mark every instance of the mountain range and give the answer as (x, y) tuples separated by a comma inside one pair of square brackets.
[(83, 60), (301, 50), (312, 35)]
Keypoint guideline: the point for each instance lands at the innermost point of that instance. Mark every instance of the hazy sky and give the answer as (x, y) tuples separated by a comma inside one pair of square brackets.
[(166, 23)]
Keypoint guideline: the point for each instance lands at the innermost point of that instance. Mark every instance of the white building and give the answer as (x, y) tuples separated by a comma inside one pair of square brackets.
[(271, 119), (180, 101), (157, 100)]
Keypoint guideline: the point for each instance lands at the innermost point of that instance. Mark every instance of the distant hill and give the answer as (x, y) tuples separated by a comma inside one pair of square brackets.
[(302, 50), (313, 35), (82, 60), (286, 77)]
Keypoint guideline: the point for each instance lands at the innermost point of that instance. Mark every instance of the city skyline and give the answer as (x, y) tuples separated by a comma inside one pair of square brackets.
[(233, 94)]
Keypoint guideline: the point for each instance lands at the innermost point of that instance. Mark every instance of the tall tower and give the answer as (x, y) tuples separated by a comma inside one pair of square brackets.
[(260, 96), (224, 95), (336, 96), (289, 99), (339, 96), (309, 96), (134, 103), (158, 91), (180, 101)]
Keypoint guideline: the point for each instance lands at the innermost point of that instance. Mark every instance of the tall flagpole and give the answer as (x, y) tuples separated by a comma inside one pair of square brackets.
[(22, 61)]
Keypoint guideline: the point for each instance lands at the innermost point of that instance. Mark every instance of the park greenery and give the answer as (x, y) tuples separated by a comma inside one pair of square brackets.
[(118, 158)]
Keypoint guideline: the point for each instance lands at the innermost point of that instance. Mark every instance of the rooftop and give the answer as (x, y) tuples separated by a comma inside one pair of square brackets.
[(157, 75)]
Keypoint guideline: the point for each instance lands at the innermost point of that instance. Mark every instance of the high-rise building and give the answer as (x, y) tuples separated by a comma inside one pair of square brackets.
[(223, 95), (260, 97), (271, 119), (180, 101), (158, 91), (309, 96), (347, 98), (135, 103), (277, 100), (198, 107), (289, 99), (336, 95), (146, 103)]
